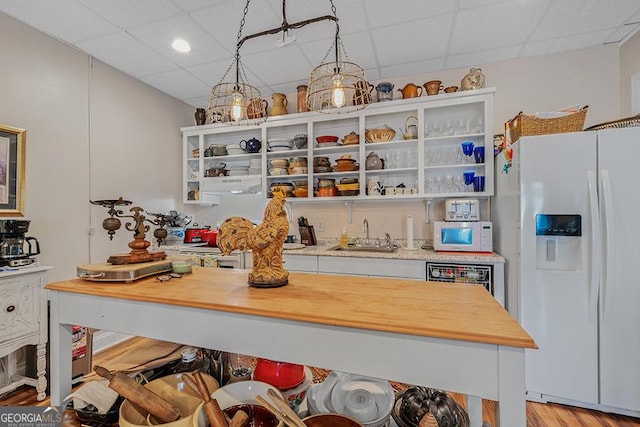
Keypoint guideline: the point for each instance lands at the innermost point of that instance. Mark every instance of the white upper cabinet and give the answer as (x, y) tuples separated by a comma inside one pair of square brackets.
[(425, 157)]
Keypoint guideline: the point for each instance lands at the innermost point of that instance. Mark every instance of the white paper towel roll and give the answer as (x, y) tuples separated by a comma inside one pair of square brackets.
[(409, 232)]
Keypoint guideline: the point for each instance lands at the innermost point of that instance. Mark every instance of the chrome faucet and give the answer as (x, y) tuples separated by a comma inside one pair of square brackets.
[(365, 228)]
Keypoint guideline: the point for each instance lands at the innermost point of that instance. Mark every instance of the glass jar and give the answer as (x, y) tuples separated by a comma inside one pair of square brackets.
[(192, 360)]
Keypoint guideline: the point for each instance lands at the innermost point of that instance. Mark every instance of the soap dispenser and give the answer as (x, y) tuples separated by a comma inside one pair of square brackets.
[(344, 238)]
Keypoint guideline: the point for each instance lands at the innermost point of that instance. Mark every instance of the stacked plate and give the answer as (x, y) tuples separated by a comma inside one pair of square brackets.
[(349, 189), (238, 170), (368, 400)]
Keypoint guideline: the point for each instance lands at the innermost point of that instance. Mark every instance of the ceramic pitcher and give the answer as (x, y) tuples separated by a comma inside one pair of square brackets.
[(279, 106), (410, 91)]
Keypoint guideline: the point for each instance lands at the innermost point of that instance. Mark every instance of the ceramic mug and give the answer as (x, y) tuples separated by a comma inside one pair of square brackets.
[(433, 87), (374, 186)]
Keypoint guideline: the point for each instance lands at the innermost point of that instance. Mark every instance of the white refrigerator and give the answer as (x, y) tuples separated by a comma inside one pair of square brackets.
[(567, 219)]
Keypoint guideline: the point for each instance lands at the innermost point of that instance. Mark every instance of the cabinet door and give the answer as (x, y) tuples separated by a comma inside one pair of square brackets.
[(373, 267), (620, 293), (19, 307), (304, 263)]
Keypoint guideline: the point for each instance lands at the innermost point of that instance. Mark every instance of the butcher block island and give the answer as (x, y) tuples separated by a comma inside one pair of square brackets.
[(450, 336)]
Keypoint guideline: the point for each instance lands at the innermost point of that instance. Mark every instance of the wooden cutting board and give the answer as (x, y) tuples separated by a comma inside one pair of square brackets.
[(105, 272)]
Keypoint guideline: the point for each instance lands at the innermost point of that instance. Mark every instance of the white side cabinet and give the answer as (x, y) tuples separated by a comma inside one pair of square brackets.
[(23, 321)]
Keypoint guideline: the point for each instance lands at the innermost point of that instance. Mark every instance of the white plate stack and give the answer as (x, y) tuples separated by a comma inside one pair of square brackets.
[(368, 400)]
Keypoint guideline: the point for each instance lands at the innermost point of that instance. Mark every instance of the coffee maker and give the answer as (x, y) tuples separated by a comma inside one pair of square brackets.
[(16, 249)]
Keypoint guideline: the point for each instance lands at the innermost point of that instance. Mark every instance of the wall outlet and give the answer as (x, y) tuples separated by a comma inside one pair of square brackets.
[(320, 226)]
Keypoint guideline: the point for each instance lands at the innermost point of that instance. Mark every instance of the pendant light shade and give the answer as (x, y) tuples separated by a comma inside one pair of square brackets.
[(338, 86), (339, 89), (236, 104)]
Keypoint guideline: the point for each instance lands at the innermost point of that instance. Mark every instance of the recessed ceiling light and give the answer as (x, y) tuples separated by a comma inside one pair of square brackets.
[(181, 45)]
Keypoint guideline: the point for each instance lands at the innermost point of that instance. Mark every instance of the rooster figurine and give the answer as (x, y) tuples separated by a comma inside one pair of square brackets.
[(265, 241)]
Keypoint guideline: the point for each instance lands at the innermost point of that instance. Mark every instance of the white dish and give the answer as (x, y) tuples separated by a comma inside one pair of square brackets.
[(327, 144), (380, 391), (291, 246), (323, 393), (280, 147), (279, 141), (241, 392)]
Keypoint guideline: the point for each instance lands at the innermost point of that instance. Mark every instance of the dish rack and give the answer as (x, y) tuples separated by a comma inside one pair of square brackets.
[(528, 125)]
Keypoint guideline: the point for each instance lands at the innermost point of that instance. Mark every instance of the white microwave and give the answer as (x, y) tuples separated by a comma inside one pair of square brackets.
[(471, 236)]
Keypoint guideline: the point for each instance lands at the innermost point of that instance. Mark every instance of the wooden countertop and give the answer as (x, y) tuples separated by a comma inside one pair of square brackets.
[(431, 309)]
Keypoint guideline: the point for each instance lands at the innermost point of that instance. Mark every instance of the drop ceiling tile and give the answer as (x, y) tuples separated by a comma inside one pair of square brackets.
[(127, 14), (125, 53), (475, 59), (380, 13), (359, 49), (177, 83), (198, 101), (279, 65), (564, 44), (411, 68), (470, 4), (495, 25), (569, 17), (621, 34), (222, 22), (412, 41), (159, 36), (211, 73), (67, 20), (190, 5)]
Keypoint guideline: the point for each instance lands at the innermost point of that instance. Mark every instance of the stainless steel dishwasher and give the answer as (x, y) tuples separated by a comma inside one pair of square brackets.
[(461, 273)]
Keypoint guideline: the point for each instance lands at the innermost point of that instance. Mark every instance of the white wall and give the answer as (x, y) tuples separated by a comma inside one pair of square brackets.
[(92, 133), (629, 67)]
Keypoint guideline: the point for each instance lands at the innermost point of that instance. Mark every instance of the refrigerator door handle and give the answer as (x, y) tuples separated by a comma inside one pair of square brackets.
[(592, 307), (607, 281)]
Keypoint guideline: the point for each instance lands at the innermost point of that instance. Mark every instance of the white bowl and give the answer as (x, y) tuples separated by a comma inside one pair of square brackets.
[(349, 394), (280, 147), (278, 171), (242, 392), (234, 149)]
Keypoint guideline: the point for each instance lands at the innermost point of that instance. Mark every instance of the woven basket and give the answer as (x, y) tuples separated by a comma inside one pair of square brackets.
[(525, 125), (384, 134)]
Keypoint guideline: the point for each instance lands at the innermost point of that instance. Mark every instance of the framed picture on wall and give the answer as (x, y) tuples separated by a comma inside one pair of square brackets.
[(12, 153)]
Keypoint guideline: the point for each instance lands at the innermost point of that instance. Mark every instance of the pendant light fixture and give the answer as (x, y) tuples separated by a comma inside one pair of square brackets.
[(337, 86), (238, 102)]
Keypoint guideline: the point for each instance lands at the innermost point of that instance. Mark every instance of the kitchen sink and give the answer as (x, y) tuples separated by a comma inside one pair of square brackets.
[(361, 248)]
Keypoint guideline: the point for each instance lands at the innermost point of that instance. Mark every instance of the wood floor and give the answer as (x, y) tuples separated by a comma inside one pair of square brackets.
[(538, 414)]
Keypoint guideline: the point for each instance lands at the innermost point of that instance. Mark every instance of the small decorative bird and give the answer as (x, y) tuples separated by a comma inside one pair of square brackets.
[(265, 241)]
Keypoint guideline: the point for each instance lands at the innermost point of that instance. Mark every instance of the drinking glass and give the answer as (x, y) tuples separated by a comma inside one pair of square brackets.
[(468, 179), (478, 154), (467, 149), (478, 183)]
